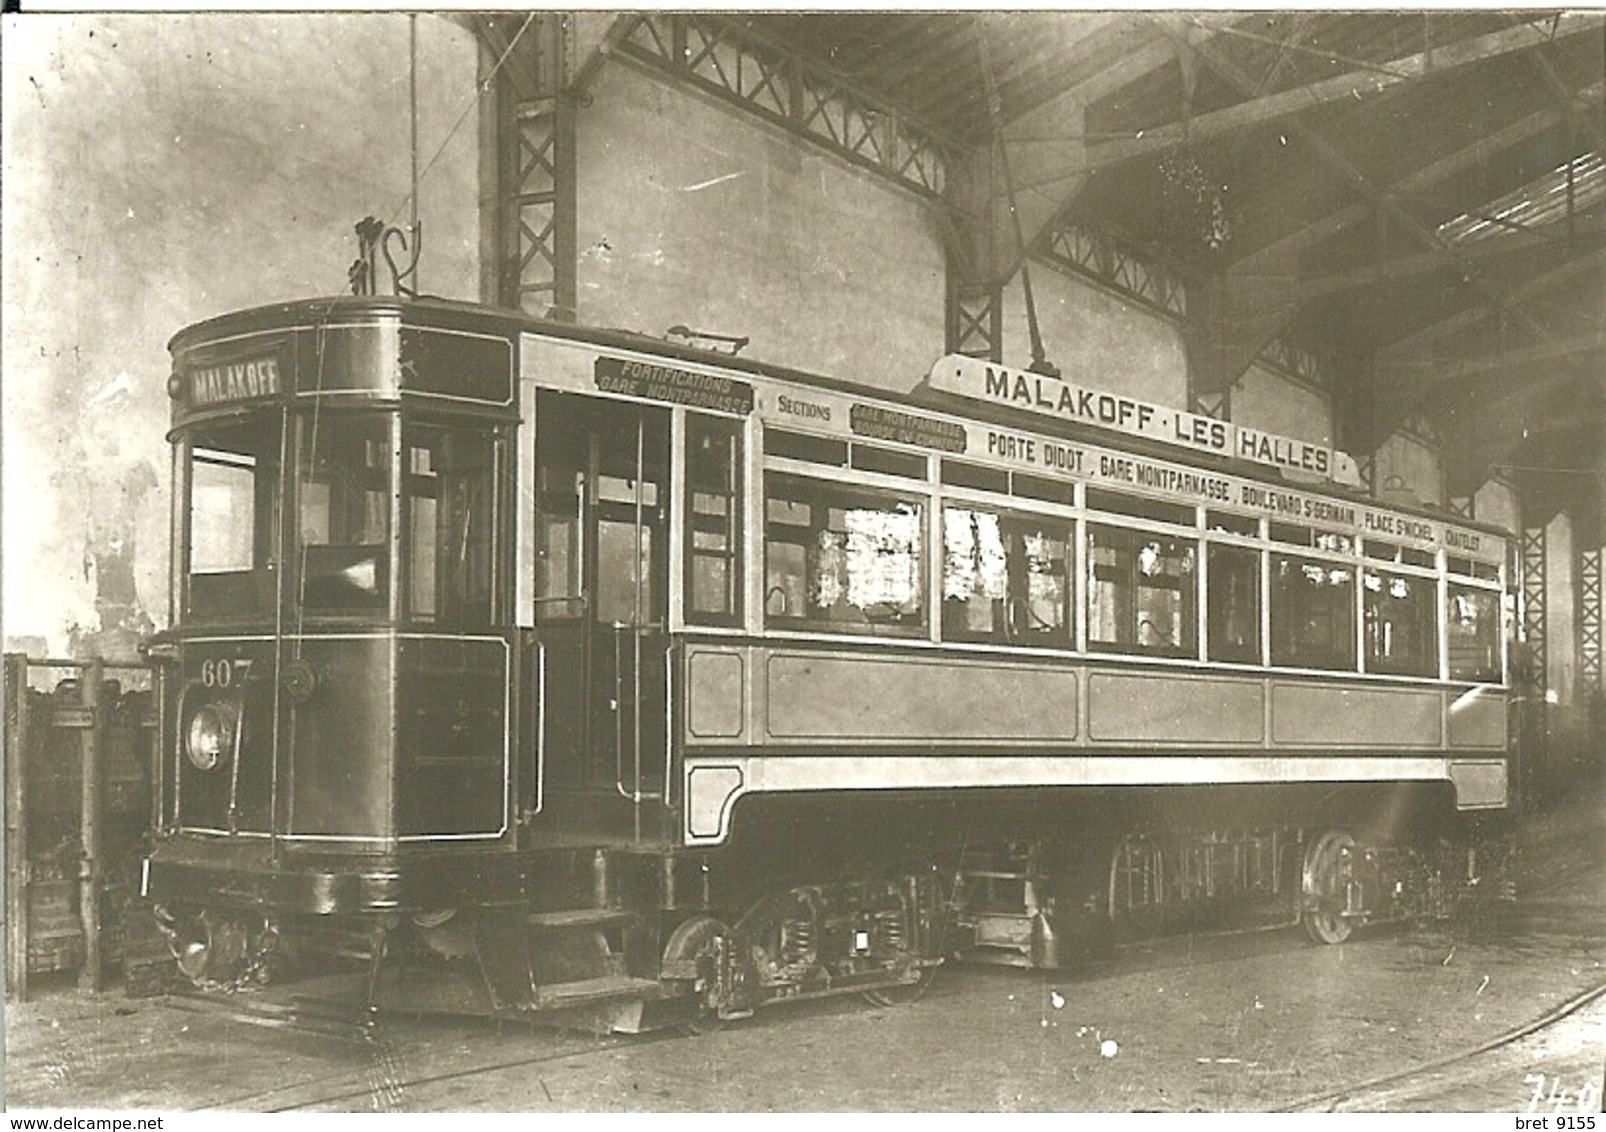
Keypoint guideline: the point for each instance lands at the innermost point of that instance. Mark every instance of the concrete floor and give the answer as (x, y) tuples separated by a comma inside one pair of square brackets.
[(1251, 1022)]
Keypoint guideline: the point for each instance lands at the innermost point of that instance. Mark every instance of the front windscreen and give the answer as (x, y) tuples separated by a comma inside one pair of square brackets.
[(343, 504), (233, 486)]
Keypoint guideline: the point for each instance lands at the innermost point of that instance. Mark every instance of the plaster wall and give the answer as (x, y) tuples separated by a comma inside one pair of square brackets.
[(160, 169), (1097, 337), (1406, 469), (1270, 402), (698, 214), (1496, 503)]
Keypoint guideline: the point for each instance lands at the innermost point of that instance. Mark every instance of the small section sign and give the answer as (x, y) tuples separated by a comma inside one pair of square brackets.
[(879, 423)]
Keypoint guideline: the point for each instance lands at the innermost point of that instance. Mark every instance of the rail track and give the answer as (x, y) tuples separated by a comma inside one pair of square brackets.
[(1465, 1074), (394, 1062)]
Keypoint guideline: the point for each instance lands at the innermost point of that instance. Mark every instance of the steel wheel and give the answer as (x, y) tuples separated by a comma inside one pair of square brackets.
[(1138, 885), (905, 994), (692, 957), (1323, 884)]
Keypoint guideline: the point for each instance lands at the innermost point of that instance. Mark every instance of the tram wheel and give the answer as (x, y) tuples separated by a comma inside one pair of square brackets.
[(1322, 882), (905, 994), (698, 942), (1137, 886)]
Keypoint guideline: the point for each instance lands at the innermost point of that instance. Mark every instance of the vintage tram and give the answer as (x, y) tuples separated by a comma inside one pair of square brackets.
[(544, 667)]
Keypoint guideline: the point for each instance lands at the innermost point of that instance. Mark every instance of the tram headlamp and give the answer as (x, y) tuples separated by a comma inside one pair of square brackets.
[(210, 735)]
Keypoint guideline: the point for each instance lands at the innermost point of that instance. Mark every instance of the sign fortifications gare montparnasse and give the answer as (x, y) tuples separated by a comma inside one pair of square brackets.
[(981, 380)]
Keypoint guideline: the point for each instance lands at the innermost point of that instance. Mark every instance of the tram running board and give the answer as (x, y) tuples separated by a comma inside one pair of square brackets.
[(586, 992), (340, 1017), (569, 918)]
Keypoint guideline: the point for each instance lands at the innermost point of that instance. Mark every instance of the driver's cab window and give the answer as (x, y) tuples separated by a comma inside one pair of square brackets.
[(343, 512), (449, 515), (232, 482)]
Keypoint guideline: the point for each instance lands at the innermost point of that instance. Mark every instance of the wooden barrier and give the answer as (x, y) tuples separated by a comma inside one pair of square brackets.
[(79, 764)]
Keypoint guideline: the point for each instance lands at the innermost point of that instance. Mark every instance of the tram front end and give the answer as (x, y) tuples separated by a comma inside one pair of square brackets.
[(337, 752)]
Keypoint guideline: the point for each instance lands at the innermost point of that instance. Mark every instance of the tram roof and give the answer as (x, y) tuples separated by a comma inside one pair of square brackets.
[(455, 314)]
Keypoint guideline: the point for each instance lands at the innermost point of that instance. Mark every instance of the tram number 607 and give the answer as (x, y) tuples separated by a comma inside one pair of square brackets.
[(224, 672)]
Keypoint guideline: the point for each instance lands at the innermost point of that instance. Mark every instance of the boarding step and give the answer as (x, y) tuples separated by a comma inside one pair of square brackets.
[(578, 918), (584, 992)]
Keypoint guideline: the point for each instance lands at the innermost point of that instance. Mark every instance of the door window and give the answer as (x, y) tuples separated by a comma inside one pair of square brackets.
[(713, 523)]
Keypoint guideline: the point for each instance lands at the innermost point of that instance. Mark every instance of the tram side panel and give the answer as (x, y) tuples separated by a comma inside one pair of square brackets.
[(780, 718)]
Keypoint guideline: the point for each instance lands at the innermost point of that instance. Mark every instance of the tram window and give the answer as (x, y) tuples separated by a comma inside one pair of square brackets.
[(1290, 532), (1101, 500), (713, 526), (233, 513), (1004, 579), (1037, 487), (1225, 521), (559, 488), (1141, 588), (343, 512), (798, 446), (1382, 551), (1470, 569), (885, 460), (1410, 556), (1474, 634), (449, 511), (841, 558), (1232, 604), (1401, 634), (1312, 613), (625, 593), (622, 489), (959, 474), (1329, 541), (224, 492)]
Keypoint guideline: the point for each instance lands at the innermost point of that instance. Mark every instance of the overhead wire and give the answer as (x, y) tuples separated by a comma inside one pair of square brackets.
[(480, 87)]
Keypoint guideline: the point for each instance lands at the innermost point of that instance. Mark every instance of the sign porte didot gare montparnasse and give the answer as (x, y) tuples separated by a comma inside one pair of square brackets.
[(979, 380)]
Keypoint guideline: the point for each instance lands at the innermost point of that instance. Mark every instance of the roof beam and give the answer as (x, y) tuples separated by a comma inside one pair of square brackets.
[(1449, 165), (1093, 38), (1558, 91), (1564, 274), (1100, 64), (596, 54), (1441, 369), (912, 55), (1513, 419), (1426, 263), (1233, 346), (1255, 111), (1413, 367), (1035, 144)]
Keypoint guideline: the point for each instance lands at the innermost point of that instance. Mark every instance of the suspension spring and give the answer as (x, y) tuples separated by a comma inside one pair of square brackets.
[(890, 928), (797, 943)]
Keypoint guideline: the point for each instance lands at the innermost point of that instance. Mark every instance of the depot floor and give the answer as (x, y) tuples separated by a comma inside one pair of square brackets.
[(1251, 1022)]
